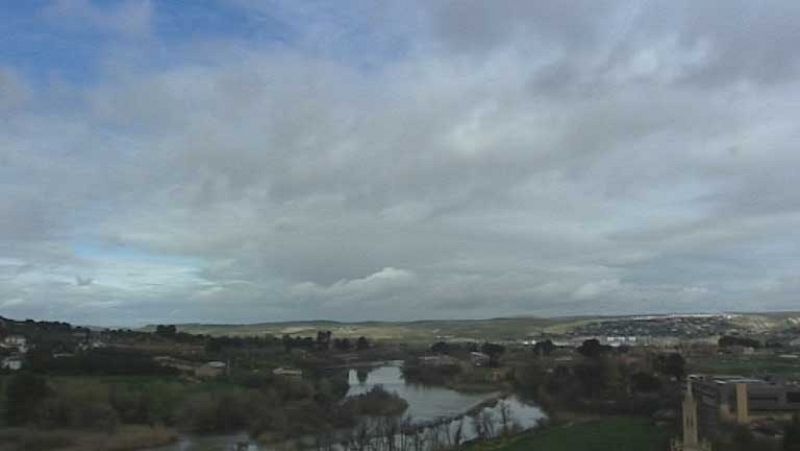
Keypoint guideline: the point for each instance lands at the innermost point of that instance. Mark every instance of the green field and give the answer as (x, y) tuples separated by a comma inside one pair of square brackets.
[(745, 365), (616, 433)]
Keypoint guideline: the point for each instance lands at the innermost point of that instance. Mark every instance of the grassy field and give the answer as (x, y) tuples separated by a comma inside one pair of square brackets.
[(413, 331), (745, 365), (614, 433)]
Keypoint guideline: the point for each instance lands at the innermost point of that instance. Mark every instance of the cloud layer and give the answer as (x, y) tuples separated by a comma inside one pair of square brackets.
[(400, 161)]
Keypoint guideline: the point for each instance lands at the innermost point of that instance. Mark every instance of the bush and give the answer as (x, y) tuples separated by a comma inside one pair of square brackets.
[(645, 382), (414, 372), (24, 393), (376, 402), (35, 441), (78, 406), (150, 404), (223, 411)]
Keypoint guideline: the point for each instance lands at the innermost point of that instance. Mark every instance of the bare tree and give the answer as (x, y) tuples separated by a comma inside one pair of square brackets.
[(458, 432), (406, 432), (325, 441), (387, 432), (486, 418), (505, 417), (360, 439)]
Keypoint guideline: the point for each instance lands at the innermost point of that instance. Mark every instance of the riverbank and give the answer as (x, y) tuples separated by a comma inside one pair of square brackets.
[(124, 438)]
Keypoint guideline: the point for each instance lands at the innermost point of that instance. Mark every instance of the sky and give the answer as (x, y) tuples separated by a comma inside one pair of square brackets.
[(239, 161)]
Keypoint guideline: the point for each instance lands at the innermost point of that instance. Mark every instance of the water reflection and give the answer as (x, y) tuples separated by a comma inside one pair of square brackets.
[(437, 413), (425, 403)]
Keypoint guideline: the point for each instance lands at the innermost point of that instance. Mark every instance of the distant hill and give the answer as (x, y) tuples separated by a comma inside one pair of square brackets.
[(426, 330), (453, 330)]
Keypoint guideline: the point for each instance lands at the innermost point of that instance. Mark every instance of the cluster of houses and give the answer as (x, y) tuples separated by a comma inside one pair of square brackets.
[(200, 370), (13, 349), (475, 358), (214, 368)]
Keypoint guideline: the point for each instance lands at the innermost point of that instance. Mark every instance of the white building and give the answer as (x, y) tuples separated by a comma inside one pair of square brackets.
[(18, 342), (11, 363), (287, 372)]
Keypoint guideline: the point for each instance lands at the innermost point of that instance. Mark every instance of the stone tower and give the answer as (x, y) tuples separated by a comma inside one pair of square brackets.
[(742, 409), (689, 419), (690, 440)]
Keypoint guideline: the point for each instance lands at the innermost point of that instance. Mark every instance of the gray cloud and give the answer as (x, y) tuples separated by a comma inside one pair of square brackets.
[(513, 158)]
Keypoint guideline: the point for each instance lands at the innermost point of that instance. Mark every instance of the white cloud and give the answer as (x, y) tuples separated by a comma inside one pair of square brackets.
[(374, 286), (592, 290)]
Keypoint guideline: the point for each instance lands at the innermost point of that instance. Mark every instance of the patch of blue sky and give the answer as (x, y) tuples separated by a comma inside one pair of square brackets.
[(36, 48), (324, 29), (43, 49), (177, 21)]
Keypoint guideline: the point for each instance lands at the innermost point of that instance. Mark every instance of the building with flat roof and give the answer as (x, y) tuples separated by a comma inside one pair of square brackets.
[(737, 398), (11, 363)]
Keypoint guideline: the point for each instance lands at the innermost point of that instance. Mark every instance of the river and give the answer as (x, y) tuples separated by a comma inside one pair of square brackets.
[(426, 405)]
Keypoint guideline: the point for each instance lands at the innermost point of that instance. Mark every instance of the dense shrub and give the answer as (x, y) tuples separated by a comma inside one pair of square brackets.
[(79, 405), (24, 393), (105, 361), (376, 402)]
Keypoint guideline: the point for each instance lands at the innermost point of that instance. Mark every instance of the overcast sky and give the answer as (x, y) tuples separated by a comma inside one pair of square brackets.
[(246, 161)]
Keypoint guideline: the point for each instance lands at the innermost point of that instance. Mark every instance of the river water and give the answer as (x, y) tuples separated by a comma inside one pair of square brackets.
[(426, 405)]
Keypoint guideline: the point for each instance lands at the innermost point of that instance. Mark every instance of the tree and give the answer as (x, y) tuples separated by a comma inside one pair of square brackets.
[(730, 340), (323, 339), (645, 382), (791, 436), (611, 374), (592, 348), (440, 347), (743, 438), (24, 393), (672, 365), (494, 351), (590, 376), (342, 344), (530, 377), (166, 331), (362, 343), (544, 348)]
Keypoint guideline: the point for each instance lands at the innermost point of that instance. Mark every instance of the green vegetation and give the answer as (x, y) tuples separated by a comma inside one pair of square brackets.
[(280, 407), (615, 433), (376, 402), (756, 365), (602, 381), (791, 435)]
